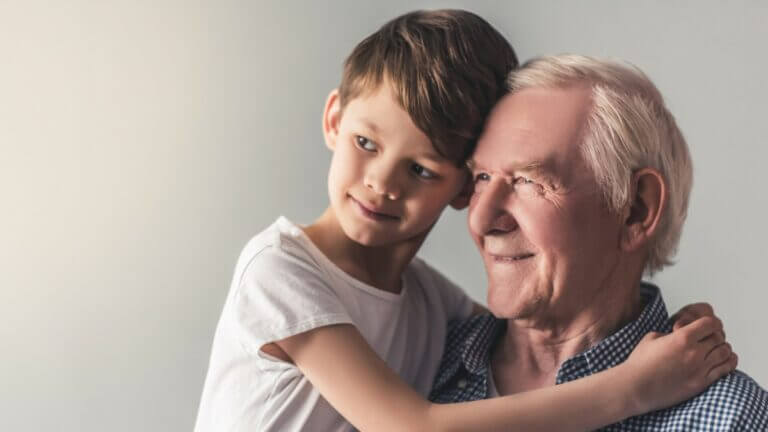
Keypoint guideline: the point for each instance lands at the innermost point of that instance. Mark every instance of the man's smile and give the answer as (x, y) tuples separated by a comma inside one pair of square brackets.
[(511, 258)]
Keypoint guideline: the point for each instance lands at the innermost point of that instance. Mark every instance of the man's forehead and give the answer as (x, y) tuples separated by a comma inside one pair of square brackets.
[(513, 147), (533, 128), (537, 105)]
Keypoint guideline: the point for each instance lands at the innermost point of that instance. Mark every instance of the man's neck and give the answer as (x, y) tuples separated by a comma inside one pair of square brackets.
[(530, 353)]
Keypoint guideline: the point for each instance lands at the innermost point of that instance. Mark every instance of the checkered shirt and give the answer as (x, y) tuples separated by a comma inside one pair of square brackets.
[(734, 403)]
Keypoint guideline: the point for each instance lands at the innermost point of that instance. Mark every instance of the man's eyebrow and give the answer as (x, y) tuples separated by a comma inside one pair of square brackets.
[(533, 166), (536, 166)]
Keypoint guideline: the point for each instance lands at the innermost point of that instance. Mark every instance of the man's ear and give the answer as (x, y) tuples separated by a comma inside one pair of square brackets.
[(462, 199), (648, 200), (331, 119)]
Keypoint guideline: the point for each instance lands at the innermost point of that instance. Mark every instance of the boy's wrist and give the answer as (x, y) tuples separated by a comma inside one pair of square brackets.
[(628, 393)]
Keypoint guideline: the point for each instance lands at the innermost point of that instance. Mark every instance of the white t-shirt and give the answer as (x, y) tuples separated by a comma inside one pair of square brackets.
[(493, 392), (283, 285)]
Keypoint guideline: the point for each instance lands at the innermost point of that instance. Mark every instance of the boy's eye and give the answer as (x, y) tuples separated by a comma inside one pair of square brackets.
[(481, 177), (423, 172), (364, 143)]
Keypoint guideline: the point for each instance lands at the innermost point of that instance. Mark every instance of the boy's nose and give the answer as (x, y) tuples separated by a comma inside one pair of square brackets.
[(382, 180), (488, 214)]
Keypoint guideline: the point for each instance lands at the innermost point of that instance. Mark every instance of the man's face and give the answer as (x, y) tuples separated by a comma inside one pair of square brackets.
[(546, 237)]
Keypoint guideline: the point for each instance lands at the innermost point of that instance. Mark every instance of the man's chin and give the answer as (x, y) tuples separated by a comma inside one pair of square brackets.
[(506, 307), (509, 313)]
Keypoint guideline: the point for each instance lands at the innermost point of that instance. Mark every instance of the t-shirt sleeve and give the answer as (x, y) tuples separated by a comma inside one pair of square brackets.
[(279, 295)]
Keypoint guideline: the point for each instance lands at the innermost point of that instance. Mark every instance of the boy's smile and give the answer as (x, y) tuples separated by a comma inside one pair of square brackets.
[(387, 183), (373, 211)]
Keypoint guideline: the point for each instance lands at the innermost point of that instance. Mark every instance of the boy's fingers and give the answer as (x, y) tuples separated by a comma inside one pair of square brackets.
[(680, 319), (706, 347), (712, 341), (703, 327), (679, 322), (690, 313), (703, 309), (723, 369), (652, 335), (719, 354)]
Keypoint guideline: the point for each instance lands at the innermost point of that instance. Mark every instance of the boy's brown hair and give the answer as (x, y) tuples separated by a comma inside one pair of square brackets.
[(447, 69)]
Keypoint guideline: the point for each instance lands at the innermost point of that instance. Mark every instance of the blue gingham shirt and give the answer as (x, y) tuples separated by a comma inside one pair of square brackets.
[(734, 403)]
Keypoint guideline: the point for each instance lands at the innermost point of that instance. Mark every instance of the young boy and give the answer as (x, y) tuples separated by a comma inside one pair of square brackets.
[(337, 322)]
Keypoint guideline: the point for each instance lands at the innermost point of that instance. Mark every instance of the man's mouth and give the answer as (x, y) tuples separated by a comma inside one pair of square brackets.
[(372, 212), (511, 258)]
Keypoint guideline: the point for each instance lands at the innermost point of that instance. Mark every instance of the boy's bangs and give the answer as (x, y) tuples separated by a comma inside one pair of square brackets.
[(447, 69)]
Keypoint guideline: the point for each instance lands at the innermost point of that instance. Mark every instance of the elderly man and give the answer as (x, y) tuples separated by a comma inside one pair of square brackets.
[(581, 185)]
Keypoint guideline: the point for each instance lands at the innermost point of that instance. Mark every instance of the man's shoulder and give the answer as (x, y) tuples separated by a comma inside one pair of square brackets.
[(467, 344), (735, 402), (465, 332)]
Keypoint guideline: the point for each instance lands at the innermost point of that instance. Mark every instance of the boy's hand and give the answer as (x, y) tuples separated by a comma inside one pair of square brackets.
[(691, 313), (664, 370)]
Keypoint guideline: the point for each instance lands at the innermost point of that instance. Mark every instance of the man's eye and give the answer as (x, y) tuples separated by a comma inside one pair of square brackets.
[(481, 177), (423, 172), (524, 181), (364, 143)]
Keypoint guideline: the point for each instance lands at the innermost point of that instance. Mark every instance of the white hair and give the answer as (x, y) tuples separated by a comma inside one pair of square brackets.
[(628, 128)]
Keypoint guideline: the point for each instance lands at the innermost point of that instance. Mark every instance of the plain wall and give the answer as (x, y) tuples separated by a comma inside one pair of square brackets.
[(142, 143)]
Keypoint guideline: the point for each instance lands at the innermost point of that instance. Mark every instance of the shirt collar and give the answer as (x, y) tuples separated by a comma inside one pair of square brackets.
[(478, 345), (617, 347)]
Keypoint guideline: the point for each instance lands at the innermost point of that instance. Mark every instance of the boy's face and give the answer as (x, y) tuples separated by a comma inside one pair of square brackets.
[(387, 184)]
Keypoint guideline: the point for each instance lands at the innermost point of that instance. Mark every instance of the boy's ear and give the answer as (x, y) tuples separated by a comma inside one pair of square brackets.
[(462, 199), (648, 199), (331, 119)]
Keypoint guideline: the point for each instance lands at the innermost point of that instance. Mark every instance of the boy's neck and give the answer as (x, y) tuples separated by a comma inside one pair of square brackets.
[(378, 266)]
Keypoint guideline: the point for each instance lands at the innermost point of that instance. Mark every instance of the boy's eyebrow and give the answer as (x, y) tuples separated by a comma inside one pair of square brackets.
[(431, 155), (434, 157), (370, 125)]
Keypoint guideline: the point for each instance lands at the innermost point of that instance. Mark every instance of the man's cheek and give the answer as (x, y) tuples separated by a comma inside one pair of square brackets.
[(543, 231)]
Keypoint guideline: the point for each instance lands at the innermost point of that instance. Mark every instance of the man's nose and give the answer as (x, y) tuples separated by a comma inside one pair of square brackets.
[(489, 213), (381, 177)]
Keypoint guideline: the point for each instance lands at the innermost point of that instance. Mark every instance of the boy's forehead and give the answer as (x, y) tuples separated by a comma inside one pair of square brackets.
[(386, 107), (376, 101), (379, 113)]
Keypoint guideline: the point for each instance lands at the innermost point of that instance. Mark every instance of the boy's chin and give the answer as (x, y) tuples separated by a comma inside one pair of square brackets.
[(384, 239), (369, 239)]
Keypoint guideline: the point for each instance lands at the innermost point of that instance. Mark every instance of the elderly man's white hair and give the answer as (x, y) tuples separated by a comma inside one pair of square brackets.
[(628, 128)]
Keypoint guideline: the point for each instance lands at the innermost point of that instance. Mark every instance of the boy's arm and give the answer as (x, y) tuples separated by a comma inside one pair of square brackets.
[(663, 370)]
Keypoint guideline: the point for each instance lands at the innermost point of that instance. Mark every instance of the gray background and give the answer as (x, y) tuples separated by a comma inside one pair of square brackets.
[(142, 143)]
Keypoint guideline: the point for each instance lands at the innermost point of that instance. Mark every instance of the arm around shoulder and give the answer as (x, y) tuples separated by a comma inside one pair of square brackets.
[(358, 384)]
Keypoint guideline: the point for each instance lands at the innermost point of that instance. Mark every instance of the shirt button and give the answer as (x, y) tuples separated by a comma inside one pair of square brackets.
[(462, 383)]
